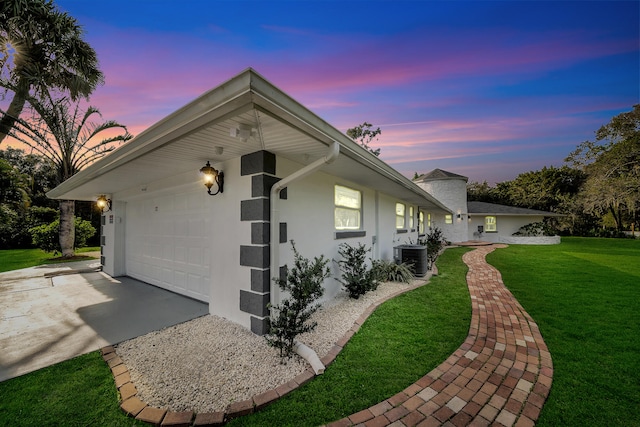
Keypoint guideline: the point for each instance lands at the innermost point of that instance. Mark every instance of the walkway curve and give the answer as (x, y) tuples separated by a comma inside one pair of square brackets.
[(501, 375)]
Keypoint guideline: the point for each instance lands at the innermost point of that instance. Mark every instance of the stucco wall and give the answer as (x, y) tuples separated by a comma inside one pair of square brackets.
[(520, 240), (112, 239), (506, 225), (453, 194), (309, 214)]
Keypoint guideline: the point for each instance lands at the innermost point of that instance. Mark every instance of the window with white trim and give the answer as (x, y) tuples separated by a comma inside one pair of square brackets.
[(348, 208), (400, 220), (448, 219), (428, 220), (411, 217), (490, 224), (421, 222)]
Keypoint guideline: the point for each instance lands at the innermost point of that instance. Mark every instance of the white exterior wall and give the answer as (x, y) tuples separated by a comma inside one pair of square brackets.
[(538, 240), (228, 234), (309, 214), (453, 194), (158, 218), (211, 223), (506, 225), (113, 239)]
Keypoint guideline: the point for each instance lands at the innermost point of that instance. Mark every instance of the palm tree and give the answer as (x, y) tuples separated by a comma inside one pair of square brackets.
[(63, 133), (42, 48)]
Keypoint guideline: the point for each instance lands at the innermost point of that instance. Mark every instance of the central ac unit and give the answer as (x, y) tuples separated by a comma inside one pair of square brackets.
[(415, 255)]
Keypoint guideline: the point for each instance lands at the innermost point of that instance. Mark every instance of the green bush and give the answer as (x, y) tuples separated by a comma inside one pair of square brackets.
[(434, 242), (389, 271), (356, 277), (15, 224), (46, 236), (536, 229), (304, 285)]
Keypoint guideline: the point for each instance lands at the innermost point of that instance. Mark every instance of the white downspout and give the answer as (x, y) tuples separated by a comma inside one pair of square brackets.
[(332, 154)]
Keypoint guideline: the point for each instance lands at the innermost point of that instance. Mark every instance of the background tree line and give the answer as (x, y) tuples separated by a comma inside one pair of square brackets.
[(47, 73), (598, 188), (27, 217)]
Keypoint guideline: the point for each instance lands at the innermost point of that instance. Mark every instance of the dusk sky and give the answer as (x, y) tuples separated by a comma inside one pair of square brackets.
[(483, 89)]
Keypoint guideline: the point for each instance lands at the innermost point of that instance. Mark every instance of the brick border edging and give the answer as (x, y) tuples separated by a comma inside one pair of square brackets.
[(136, 408)]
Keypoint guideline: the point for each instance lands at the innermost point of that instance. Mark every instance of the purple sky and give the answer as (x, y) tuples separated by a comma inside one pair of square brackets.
[(484, 89)]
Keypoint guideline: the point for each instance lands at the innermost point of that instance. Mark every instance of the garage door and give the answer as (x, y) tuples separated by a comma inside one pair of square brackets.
[(168, 243)]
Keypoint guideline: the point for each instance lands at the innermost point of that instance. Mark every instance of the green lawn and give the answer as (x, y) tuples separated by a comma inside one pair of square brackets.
[(15, 259), (78, 392), (584, 295)]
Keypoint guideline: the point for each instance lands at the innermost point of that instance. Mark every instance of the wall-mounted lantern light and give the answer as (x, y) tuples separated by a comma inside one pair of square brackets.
[(211, 176), (103, 203)]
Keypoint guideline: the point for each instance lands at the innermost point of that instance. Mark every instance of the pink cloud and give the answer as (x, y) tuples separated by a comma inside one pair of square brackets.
[(463, 54)]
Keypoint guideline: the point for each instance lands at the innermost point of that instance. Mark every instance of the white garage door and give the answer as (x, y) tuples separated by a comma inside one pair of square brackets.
[(168, 243)]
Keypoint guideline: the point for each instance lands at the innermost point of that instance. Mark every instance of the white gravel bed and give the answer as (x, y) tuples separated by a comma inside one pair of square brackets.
[(209, 362)]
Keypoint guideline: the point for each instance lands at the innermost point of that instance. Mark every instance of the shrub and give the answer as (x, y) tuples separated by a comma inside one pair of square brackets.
[(434, 242), (304, 285), (46, 236), (356, 278), (535, 229), (389, 271)]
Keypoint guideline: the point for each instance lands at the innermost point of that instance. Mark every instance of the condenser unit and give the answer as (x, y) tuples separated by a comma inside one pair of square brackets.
[(415, 255)]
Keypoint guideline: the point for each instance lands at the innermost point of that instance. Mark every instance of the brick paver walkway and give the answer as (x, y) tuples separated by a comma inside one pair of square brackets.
[(500, 376)]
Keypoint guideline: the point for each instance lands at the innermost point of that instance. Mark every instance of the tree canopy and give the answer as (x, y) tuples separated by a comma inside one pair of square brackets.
[(612, 166), (63, 133), (42, 49), (363, 134), (599, 187)]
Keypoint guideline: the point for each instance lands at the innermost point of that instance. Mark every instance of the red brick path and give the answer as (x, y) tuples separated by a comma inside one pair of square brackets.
[(500, 375)]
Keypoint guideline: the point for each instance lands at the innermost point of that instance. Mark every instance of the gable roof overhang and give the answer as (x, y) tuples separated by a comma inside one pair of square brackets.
[(186, 139), (484, 208)]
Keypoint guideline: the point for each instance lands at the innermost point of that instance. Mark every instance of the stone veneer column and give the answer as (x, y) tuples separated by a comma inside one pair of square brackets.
[(261, 166)]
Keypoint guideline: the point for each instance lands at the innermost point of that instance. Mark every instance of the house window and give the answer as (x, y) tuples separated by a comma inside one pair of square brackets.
[(411, 217), (490, 224), (400, 215), (421, 222), (348, 208), (448, 219), (429, 220)]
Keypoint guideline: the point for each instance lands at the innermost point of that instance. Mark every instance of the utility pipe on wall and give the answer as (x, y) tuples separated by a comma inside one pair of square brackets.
[(274, 255)]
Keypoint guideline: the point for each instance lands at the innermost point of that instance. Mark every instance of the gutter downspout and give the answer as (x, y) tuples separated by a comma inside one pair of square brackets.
[(274, 255)]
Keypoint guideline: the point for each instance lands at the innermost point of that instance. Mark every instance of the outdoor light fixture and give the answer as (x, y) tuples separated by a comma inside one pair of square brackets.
[(211, 176), (103, 203)]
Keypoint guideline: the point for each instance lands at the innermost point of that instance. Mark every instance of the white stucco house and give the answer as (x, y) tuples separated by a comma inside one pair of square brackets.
[(469, 221), (288, 175)]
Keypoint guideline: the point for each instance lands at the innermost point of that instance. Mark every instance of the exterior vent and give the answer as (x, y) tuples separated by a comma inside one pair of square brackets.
[(412, 254)]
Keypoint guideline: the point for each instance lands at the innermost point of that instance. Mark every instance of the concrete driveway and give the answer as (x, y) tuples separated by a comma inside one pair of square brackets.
[(48, 315)]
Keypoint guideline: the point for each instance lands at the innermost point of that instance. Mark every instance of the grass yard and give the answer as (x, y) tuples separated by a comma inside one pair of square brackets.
[(584, 295), (78, 392), (15, 259), (401, 341)]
